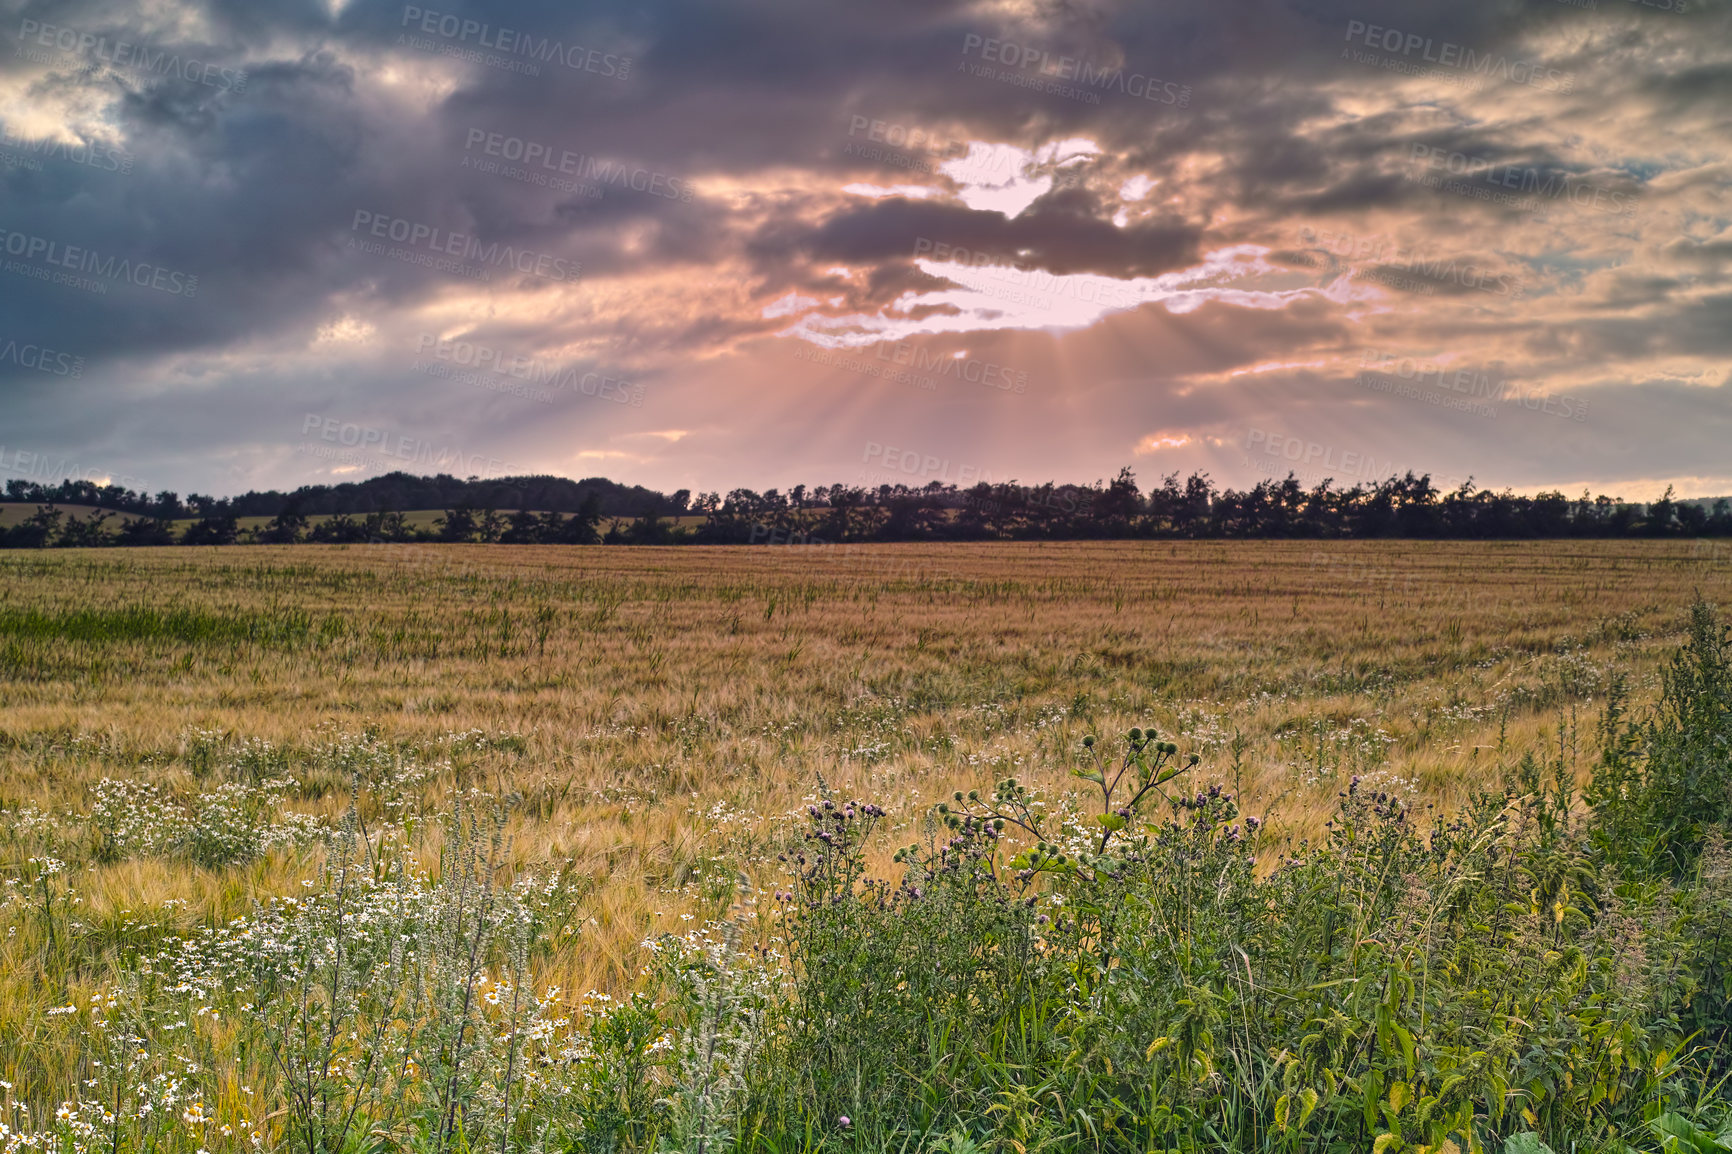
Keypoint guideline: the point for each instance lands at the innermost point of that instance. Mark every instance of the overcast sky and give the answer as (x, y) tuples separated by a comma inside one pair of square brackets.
[(692, 244)]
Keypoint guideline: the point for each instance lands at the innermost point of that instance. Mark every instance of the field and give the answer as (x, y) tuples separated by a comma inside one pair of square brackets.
[(664, 717)]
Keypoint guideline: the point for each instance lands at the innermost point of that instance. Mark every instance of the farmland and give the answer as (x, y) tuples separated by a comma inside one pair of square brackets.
[(660, 720)]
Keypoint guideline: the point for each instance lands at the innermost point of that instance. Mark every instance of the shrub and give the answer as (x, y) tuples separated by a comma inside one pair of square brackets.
[(1665, 780), (1126, 979)]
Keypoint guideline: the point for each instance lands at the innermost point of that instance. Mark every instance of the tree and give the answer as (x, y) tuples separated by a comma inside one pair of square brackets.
[(86, 533), (648, 529), (286, 527), (340, 529), (38, 530), (1660, 514), (146, 531), (391, 526), (457, 524), (581, 527), (1118, 506), (219, 529)]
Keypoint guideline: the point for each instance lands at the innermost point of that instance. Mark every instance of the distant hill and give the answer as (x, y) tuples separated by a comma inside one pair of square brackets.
[(400, 491), (393, 492)]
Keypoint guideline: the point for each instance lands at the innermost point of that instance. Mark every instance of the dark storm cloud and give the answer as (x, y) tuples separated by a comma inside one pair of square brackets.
[(1061, 233)]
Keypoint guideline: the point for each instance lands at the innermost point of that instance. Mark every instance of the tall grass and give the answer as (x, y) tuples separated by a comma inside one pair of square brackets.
[(1137, 965), (140, 622), (660, 719)]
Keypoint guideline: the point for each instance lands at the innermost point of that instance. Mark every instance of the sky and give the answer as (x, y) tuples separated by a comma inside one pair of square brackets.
[(251, 244)]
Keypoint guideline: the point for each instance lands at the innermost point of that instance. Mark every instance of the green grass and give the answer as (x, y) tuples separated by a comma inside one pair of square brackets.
[(148, 623)]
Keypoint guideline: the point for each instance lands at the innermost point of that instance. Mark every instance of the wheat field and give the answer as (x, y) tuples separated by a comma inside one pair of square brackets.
[(665, 715)]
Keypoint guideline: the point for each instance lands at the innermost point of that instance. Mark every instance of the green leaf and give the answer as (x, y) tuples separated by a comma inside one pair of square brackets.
[(1405, 1037), (1527, 1142), (1677, 1132), (1281, 1105)]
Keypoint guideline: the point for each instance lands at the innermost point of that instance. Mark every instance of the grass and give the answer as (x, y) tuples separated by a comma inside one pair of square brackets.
[(666, 715)]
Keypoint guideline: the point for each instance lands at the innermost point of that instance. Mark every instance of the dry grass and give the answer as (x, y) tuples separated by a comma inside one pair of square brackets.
[(662, 710)]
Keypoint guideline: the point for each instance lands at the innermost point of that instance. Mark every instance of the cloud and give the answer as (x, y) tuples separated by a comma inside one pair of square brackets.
[(1175, 223)]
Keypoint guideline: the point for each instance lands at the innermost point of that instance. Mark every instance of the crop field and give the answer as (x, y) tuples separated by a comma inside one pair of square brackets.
[(605, 774)]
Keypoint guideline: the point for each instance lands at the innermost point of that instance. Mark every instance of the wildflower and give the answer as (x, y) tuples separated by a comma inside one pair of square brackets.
[(843, 1122)]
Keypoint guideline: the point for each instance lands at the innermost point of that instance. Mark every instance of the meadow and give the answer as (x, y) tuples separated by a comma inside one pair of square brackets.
[(440, 846)]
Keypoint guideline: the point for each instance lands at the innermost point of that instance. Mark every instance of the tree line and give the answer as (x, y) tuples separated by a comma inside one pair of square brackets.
[(548, 510), (383, 494)]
